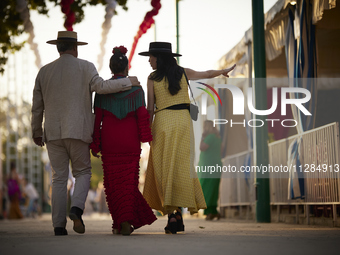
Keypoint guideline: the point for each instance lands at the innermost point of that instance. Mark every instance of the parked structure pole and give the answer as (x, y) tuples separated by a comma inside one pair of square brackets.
[(261, 133)]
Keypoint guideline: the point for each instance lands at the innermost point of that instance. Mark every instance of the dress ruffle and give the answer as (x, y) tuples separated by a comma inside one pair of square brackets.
[(125, 202)]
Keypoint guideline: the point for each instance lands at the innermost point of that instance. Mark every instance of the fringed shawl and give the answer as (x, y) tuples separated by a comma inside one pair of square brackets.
[(122, 103)]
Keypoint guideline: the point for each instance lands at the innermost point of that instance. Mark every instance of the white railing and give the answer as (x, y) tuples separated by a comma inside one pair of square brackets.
[(319, 147), (237, 188), (319, 157)]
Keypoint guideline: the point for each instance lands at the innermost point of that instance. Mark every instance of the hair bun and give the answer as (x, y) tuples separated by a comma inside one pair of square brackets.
[(120, 49)]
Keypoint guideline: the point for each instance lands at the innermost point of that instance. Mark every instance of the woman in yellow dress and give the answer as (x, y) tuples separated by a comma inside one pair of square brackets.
[(169, 183)]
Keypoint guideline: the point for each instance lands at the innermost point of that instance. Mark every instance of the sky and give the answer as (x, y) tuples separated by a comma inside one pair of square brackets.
[(207, 31)]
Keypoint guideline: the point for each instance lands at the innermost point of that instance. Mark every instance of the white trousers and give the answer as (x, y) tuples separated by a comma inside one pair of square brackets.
[(60, 153)]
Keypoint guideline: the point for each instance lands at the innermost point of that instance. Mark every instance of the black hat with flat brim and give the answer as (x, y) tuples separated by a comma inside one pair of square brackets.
[(66, 36), (159, 47)]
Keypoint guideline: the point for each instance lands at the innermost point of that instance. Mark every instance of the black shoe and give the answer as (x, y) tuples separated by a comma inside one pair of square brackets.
[(179, 218), (171, 227), (60, 231), (78, 224)]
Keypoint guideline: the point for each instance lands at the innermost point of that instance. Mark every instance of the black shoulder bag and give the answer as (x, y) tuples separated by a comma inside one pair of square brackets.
[(193, 107)]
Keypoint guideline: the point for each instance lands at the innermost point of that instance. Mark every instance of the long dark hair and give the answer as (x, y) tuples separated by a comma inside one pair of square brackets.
[(167, 67)]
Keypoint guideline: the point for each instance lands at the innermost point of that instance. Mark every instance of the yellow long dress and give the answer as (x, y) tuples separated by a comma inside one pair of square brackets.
[(171, 181)]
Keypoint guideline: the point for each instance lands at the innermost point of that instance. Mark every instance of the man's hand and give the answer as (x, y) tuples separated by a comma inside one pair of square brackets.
[(134, 81), (38, 141), (94, 154)]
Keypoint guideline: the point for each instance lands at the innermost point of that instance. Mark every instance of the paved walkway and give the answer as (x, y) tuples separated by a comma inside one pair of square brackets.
[(35, 236)]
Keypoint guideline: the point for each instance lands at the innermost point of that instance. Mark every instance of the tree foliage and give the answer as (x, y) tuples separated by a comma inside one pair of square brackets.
[(12, 25)]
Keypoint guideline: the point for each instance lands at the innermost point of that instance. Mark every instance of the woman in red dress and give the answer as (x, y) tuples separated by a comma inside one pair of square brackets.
[(121, 124)]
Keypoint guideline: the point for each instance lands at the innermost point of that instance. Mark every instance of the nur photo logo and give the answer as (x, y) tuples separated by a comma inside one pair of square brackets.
[(302, 96)]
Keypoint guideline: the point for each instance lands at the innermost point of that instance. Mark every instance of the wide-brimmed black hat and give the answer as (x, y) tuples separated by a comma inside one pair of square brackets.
[(159, 47), (66, 36)]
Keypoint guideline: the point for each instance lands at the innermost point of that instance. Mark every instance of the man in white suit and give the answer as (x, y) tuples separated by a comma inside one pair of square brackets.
[(63, 95)]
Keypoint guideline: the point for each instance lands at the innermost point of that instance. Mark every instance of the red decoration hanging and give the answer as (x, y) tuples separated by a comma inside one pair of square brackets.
[(146, 24), (70, 15)]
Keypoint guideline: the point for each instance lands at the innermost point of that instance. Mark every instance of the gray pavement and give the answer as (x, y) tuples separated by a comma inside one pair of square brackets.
[(35, 236)]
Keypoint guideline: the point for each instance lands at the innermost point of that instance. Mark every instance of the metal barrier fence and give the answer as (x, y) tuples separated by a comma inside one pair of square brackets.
[(237, 189), (320, 160), (319, 148)]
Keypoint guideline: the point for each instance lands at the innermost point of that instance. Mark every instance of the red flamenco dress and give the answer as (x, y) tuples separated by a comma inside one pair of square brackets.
[(121, 124)]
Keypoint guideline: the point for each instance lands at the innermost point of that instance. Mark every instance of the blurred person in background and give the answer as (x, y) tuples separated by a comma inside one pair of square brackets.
[(210, 155), (14, 194), (30, 192), (2, 197), (102, 205), (3, 202), (91, 204)]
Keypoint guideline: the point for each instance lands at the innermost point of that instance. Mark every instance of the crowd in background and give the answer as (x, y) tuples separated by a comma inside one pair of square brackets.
[(19, 196), (20, 199)]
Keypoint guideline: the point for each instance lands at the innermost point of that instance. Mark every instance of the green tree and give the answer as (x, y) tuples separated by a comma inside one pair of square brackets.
[(12, 26)]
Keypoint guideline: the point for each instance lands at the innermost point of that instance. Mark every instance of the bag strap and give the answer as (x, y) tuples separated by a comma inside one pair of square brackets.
[(192, 95)]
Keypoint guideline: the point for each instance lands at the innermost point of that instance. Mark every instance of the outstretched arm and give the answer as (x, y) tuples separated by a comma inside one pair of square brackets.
[(195, 75)]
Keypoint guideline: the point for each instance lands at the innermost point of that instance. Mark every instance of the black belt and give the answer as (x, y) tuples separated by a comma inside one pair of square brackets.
[(179, 107)]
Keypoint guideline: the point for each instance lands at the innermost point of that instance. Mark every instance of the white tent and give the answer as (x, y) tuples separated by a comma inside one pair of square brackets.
[(282, 18), (325, 15)]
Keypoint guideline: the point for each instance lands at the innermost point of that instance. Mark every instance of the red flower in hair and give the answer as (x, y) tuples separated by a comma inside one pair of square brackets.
[(121, 49)]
